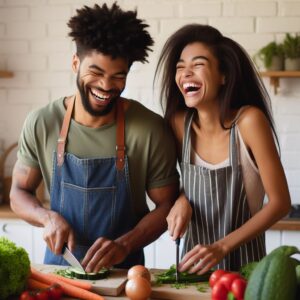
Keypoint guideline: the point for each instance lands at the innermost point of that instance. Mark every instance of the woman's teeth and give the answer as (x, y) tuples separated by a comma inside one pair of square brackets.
[(191, 87)]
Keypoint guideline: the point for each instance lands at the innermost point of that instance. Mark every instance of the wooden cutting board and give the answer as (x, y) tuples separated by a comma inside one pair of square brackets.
[(113, 285), (166, 291)]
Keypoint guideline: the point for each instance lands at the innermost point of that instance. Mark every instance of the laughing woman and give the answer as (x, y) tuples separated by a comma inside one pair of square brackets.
[(227, 147)]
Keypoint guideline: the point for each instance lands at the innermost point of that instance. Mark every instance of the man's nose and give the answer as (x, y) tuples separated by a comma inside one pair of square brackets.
[(105, 84)]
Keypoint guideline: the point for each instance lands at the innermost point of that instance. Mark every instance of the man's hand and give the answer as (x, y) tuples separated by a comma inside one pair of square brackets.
[(103, 253), (57, 232)]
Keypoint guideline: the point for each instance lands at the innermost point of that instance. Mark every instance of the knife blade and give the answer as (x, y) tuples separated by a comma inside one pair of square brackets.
[(177, 241), (71, 259)]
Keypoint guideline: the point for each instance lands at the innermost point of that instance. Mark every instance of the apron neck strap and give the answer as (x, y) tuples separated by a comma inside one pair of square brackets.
[(120, 137), (61, 143), (186, 145)]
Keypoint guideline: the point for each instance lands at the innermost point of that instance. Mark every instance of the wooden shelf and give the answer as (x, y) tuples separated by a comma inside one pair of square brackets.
[(6, 74), (276, 75), (287, 224)]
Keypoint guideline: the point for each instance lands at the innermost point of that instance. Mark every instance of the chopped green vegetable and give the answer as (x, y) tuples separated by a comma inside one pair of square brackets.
[(169, 276), (14, 268), (178, 285), (74, 273), (202, 287)]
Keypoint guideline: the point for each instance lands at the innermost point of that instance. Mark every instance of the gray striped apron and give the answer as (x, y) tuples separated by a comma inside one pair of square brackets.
[(219, 203)]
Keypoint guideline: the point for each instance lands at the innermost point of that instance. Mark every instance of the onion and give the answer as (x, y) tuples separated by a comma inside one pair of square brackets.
[(139, 270), (138, 288)]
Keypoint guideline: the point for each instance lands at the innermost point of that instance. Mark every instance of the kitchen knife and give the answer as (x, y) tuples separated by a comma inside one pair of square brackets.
[(177, 241), (71, 259)]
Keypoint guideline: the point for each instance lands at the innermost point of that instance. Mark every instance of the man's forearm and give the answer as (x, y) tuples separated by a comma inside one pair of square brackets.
[(28, 207), (147, 230)]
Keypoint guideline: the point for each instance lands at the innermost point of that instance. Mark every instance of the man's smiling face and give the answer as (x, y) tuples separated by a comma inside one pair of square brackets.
[(100, 81)]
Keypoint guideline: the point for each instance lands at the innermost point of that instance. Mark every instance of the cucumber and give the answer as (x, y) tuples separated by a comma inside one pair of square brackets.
[(75, 273), (79, 274), (274, 277)]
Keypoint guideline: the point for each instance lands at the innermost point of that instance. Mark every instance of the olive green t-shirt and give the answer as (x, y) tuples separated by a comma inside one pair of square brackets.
[(149, 146)]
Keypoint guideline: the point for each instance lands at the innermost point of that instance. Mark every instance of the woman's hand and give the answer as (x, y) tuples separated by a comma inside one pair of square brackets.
[(179, 217), (202, 258)]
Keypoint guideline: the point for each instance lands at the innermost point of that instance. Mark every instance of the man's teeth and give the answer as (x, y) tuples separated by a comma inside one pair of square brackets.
[(99, 95), (191, 87)]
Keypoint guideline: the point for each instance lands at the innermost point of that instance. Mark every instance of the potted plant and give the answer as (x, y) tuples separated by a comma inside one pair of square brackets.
[(291, 48), (272, 56)]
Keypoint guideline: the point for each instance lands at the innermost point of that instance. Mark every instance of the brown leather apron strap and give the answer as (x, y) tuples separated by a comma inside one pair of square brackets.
[(61, 142), (120, 138)]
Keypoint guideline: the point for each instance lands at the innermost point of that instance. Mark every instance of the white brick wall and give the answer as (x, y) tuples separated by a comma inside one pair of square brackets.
[(34, 45)]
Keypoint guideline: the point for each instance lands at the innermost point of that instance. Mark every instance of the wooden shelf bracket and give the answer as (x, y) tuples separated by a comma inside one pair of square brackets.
[(276, 75)]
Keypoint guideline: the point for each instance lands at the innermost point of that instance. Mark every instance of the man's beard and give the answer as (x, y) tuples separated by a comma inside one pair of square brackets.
[(86, 104)]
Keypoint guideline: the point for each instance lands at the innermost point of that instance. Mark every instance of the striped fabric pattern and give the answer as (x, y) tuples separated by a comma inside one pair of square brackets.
[(219, 203)]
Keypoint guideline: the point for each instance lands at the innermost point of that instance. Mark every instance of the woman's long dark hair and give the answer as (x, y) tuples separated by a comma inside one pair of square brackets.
[(243, 85)]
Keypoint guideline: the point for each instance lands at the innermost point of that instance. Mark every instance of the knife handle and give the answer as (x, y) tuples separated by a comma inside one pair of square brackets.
[(65, 245), (177, 241)]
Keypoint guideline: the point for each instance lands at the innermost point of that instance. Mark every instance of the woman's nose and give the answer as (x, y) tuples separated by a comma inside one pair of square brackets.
[(187, 72)]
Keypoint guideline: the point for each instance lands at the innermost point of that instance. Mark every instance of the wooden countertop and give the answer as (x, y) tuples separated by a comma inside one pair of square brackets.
[(287, 224), (284, 224), (6, 212)]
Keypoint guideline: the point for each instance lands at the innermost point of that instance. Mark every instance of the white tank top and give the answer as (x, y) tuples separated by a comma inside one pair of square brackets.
[(253, 185)]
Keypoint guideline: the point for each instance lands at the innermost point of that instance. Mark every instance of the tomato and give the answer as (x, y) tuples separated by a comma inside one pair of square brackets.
[(215, 276), (43, 295), (56, 292), (27, 295), (219, 291), (228, 278), (139, 270), (238, 287), (138, 288)]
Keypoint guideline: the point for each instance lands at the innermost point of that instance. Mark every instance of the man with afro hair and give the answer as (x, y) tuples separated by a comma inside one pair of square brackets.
[(98, 153)]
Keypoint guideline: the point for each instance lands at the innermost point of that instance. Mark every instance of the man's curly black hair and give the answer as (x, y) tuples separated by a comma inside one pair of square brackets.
[(110, 31)]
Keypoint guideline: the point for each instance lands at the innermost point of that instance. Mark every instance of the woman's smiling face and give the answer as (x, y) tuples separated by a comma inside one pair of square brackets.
[(197, 75)]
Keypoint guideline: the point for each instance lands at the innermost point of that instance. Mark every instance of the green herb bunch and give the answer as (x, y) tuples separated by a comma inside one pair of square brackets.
[(269, 51), (291, 46)]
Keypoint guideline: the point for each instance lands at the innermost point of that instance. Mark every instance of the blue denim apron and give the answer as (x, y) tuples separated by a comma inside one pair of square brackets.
[(93, 194)]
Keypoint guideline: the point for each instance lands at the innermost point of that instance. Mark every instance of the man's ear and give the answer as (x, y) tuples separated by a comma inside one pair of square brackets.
[(75, 63)]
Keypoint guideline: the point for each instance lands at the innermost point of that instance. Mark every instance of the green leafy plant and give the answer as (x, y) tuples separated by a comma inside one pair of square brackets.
[(14, 268), (269, 51), (291, 46)]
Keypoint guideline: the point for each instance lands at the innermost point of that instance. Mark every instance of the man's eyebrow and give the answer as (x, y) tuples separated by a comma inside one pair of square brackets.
[(195, 58), (101, 70), (96, 67)]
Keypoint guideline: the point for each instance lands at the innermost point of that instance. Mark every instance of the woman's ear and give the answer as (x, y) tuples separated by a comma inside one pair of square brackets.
[(75, 63)]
